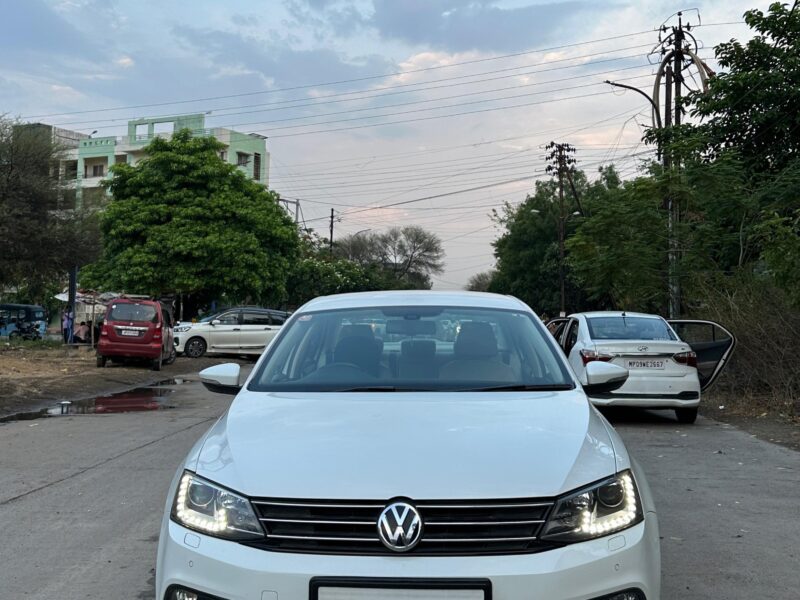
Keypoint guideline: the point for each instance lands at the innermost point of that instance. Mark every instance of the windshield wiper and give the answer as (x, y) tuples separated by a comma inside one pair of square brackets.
[(521, 387)]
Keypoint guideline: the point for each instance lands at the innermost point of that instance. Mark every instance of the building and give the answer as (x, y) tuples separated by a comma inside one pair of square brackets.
[(87, 159)]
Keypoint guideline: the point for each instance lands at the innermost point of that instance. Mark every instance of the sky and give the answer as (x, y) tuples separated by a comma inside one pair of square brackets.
[(391, 112)]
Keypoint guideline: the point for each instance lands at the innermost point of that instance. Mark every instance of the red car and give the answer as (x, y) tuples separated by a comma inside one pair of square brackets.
[(136, 329)]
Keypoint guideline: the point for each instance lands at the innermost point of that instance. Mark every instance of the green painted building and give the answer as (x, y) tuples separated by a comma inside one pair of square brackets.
[(88, 164)]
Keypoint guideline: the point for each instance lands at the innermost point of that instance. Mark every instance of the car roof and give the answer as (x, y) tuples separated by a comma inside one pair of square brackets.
[(414, 298), (122, 300), (616, 313)]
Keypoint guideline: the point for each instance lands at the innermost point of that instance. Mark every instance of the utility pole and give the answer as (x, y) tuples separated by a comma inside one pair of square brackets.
[(330, 242), (560, 156)]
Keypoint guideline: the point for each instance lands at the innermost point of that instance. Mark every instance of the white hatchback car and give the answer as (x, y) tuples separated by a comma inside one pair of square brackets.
[(245, 330), (373, 453), (666, 370)]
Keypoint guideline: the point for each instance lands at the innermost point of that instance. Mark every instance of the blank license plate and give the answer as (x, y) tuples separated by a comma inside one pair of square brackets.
[(130, 333), (357, 593), (645, 364)]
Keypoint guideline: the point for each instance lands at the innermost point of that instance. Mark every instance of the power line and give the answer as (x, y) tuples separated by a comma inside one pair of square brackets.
[(342, 81)]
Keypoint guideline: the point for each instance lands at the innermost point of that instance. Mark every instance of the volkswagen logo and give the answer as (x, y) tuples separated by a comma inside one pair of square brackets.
[(643, 348), (400, 526)]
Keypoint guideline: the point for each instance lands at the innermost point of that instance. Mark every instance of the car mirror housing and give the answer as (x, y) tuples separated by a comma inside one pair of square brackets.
[(216, 322), (602, 377), (222, 379)]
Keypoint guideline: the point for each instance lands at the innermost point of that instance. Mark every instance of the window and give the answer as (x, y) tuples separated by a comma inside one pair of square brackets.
[(255, 318), (572, 336), (278, 318), (407, 347), (98, 170), (257, 166), (629, 328), (242, 159), (223, 155), (229, 318), (132, 312)]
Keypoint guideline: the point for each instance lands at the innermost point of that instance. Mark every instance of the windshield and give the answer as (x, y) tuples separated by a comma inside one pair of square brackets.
[(629, 328), (132, 312), (412, 348)]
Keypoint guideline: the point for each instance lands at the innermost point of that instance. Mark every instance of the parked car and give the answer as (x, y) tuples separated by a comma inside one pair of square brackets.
[(349, 466), (13, 316), (140, 329), (241, 330), (665, 370)]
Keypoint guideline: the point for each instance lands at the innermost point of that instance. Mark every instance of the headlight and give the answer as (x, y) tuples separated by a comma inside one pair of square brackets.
[(182, 328), (201, 505), (603, 508)]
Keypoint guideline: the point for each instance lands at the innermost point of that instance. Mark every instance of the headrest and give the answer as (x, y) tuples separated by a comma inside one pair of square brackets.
[(361, 330), (418, 349), (475, 340), (358, 351)]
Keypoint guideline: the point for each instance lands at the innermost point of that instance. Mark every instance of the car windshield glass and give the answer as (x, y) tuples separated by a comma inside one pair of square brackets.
[(38, 315), (132, 312), (412, 348), (629, 328)]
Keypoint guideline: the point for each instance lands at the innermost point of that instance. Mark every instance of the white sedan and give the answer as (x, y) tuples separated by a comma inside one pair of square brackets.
[(666, 371), (371, 453), (243, 330)]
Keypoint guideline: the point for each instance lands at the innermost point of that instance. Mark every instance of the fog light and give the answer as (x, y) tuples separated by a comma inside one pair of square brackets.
[(184, 595), (626, 595), (175, 592)]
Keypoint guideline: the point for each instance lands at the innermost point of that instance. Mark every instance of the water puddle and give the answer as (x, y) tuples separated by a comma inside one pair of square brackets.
[(135, 400)]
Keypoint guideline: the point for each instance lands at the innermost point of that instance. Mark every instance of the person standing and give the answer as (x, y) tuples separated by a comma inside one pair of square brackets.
[(67, 319)]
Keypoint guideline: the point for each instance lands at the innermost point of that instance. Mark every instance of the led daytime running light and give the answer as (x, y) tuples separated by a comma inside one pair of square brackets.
[(594, 525), (204, 522)]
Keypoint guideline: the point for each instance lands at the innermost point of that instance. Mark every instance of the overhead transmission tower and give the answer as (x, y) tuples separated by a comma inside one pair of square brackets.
[(562, 163), (680, 70)]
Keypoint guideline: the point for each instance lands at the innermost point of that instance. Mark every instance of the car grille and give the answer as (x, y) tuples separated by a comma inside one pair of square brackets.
[(449, 527)]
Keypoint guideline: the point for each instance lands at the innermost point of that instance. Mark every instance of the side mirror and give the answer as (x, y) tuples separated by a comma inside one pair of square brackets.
[(603, 378), (222, 379), (216, 322)]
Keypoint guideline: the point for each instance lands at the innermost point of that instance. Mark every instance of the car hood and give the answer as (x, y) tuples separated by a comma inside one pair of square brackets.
[(414, 445)]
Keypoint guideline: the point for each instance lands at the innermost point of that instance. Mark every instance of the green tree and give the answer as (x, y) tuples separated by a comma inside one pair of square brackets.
[(480, 282), (752, 104), (42, 234), (407, 256), (184, 221)]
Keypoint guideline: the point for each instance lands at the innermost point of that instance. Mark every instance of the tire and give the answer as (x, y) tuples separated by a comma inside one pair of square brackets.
[(172, 356), (101, 362), (195, 347), (686, 415), (157, 362)]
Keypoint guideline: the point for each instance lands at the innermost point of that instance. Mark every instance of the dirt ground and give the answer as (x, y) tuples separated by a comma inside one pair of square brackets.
[(32, 377)]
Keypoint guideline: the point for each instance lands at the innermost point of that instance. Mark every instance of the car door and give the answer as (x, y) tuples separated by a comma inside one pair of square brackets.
[(712, 343), (572, 345), (257, 330), (556, 327), (225, 331)]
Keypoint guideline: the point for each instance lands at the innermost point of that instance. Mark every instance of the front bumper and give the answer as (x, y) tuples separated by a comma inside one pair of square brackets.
[(629, 559)]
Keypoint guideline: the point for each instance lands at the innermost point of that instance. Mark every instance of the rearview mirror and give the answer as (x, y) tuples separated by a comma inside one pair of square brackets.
[(603, 378), (216, 322), (222, 379)]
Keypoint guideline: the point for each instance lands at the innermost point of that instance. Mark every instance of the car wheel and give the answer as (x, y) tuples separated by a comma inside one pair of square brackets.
[(172, 356), (157, 362), (195, 347), (101, 362), (686, 415)]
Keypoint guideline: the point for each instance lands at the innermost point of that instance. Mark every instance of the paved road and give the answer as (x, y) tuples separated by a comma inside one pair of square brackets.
[(81, 498)]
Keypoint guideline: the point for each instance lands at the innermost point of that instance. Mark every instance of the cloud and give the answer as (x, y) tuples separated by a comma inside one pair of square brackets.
[(126, 62), (32, 28), (458, 26), (277, 59), (249, 20)]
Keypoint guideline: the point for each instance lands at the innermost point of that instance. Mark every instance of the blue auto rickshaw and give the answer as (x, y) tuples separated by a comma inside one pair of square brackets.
[(12, 315)]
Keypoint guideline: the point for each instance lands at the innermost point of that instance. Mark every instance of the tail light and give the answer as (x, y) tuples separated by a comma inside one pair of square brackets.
[(686, 358), (104, 328), (588, 356)]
